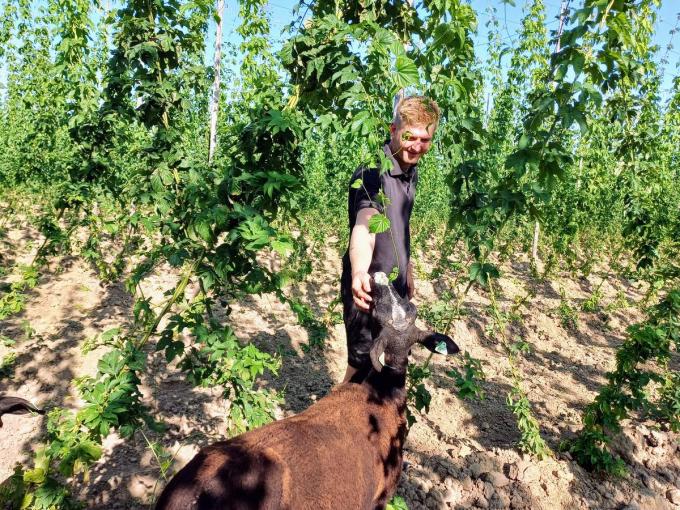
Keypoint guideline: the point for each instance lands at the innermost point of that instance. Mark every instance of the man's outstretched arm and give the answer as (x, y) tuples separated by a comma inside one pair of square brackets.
[(361, 245)]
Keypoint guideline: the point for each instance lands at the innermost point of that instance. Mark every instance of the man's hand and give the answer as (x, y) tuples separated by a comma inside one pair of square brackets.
[(361, 286), (409, 281)]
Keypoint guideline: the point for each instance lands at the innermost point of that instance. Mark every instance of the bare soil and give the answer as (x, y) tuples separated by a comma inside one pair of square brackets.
[(462, 454)]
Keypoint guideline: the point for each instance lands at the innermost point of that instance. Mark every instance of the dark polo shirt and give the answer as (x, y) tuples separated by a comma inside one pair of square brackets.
[(393, 247)]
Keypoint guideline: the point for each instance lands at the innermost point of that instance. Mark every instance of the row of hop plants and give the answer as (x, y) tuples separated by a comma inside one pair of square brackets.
[(210, 221)]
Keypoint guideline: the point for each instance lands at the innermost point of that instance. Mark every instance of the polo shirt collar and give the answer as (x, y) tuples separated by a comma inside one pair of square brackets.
[(396, 170)]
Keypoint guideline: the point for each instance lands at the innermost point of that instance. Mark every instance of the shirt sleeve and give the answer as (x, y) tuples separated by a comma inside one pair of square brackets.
[(365, 196)]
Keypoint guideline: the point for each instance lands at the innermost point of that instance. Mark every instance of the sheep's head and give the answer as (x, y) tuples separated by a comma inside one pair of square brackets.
[(396, 316), (389, 308)]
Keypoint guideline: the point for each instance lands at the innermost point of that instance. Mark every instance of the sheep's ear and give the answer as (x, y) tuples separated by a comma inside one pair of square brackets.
[(16, 405), (375, 352), (438, 343)]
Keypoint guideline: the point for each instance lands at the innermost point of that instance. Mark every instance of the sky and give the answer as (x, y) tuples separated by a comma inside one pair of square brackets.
[(281, 14)]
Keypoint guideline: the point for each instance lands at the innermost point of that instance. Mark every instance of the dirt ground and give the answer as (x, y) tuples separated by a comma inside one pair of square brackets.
[(462, 454)]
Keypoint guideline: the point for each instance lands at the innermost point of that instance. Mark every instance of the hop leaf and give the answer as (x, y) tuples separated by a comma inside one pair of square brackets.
[(378, 223)]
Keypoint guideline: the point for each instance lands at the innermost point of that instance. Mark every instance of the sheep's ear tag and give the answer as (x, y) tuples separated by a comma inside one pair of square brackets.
[(381, 359), (441, 348)]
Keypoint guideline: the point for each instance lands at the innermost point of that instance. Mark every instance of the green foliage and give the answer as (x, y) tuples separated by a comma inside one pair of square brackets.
[(397, 503), (437, 314), (518, 402), (14, 301), (378, 223), (531, 440), (418, 397), (627, 387), (592, 304), (669, 400), (481, 273), (567, 314), (216, 359), (104, 126), (7, 365), (470, 378), (112, 401)]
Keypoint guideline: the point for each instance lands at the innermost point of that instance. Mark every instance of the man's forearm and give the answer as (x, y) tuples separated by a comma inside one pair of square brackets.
[(361, 249), (361, 243)]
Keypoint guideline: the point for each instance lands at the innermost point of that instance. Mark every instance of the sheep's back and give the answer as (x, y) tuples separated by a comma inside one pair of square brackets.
[(343, 452)]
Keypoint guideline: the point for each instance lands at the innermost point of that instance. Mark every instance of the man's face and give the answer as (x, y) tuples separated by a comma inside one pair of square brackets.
[(410, 142)]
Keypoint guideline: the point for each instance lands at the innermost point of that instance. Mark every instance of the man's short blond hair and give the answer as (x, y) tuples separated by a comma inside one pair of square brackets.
[(416, 111)]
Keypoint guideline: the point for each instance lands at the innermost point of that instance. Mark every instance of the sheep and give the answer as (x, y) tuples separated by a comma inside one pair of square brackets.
[(343, 452), (16, 405)]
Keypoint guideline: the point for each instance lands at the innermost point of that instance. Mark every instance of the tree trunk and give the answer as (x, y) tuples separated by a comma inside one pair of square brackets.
[(215, 104)]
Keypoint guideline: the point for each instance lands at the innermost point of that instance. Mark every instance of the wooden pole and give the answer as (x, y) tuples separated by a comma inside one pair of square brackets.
[(215, 103)]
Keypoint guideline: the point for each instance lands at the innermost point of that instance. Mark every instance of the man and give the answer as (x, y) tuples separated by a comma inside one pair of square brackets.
[(411, 132)]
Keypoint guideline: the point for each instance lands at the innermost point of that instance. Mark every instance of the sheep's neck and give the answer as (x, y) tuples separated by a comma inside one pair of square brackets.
[(389, 383)]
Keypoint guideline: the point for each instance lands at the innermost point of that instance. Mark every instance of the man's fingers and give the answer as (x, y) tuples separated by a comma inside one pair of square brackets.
[(361, 304), (361, 287), (359, 293)]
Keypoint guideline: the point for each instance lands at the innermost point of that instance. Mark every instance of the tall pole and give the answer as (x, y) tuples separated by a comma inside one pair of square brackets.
[(215, 104), (563, 16)]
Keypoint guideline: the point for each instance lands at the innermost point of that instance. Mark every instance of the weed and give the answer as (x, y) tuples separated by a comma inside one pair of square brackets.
[(284, 352), (27, 329), (437, 314), (567, 314), (397, 503), (469, 379), (333, 314), (11, 303), (517, 400), (620, 302), (627, 388), (7, 365), (417, 395), (669, 402), (317, 330), (592, 304), (6, 341), (163, 457)]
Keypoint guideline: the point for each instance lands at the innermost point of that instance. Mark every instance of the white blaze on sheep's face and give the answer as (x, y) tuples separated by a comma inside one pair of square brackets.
[(381, 279), (398, 314)]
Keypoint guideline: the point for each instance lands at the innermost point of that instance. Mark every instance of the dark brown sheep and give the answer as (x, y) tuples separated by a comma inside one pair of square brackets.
[(16, 405), (344, 452)]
